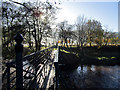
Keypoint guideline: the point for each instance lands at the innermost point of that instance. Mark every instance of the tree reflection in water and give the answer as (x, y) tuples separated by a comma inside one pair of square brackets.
[(92, 76)]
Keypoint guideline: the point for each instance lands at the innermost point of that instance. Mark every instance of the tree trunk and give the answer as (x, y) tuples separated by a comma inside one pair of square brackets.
[(39, 47), (90, 44)]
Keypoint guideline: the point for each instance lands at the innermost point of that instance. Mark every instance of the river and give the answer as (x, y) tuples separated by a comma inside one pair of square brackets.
[(93, 77)]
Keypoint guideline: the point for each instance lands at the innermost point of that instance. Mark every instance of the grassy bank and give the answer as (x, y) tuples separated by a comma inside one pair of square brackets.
[(105, 55)]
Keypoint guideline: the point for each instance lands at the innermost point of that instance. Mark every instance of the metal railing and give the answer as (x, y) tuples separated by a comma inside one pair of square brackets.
[(36, 69)]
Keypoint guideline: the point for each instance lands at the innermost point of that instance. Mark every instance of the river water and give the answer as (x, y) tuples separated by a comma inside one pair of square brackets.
[(93, 77)]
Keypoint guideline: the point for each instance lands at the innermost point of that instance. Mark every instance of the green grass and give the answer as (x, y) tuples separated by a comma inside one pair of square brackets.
[(69, 52), (43, 47), (105, 58), (64, 51)]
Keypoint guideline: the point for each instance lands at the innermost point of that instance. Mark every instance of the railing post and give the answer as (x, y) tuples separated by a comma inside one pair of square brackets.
[(8, 76), (19, 62), (56, 69), (56, 74)]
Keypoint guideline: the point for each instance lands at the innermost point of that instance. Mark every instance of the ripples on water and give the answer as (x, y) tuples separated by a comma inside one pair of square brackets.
[(95, 76)]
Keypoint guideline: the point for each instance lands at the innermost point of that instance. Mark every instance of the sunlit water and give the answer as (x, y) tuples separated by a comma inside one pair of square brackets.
[(95, 77)]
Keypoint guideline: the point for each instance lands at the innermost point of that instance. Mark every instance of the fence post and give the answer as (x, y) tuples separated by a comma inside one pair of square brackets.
[(19, 62)]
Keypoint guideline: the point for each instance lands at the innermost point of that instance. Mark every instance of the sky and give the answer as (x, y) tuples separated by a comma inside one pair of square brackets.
[(105, 12)]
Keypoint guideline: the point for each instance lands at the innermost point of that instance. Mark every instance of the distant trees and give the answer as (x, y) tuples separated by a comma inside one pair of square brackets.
[(86, 32), (114, 38), (65, 32)]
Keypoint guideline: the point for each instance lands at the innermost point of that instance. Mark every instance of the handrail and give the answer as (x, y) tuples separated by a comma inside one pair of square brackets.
[(27, 56), (56, 68), (38, 58)]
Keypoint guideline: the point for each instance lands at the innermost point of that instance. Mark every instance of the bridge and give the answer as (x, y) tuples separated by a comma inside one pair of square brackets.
[(38, 70)]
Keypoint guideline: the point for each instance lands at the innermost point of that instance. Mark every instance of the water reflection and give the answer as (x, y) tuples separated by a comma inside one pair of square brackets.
[(95, 76)]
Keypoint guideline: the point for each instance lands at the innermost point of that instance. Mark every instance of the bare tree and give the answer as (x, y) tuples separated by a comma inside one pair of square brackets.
[(65, 32), (81, 30)]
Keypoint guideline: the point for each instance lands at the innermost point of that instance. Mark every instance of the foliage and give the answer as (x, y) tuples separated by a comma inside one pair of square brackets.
[(65, 32), (34, 20), (86, 32)]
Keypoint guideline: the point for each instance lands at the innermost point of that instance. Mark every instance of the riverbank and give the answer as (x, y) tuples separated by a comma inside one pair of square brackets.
[(105, 55)]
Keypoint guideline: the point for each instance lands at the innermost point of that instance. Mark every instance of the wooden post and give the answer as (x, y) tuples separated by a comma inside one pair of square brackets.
[(19, 62)]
